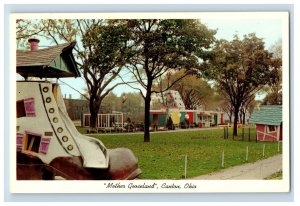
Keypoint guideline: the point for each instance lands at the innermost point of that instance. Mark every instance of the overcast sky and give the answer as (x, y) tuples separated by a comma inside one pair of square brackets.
[(268, 28)]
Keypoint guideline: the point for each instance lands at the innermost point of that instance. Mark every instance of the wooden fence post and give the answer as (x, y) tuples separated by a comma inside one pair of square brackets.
[(223, 159), (249, 135), (247, 151), (226, 132), (243, 132), (185, 166)]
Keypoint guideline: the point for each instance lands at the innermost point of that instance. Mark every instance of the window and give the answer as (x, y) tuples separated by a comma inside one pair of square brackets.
[(20, 109), (26, 108), (34, 142), (272, 128)]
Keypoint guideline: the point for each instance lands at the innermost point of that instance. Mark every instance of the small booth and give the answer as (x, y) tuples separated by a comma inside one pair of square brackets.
[(204, 119), (268, 121), (110, 120)]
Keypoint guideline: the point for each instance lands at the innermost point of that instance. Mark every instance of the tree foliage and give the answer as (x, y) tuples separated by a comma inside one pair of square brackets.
[(241, 67), (161, 45), (131, 104), (99, 51), (105, 54), (25, 29), (274, 89)]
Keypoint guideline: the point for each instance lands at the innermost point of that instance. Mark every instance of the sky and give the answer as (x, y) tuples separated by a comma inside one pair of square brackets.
[(267, 27)]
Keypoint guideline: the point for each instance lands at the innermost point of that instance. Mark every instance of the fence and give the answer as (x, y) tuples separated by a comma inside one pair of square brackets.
[(228, 158), (105, 121), (244, 133)]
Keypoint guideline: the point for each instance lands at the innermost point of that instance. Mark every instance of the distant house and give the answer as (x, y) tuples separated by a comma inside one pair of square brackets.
[(268, 120), (172, 99), (76, 108)]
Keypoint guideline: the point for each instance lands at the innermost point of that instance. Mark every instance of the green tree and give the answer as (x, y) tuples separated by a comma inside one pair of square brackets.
[(227, 107), (99, 51), (246, 104), (133, 103), (26, 28), (110, 103), (274, 89), (105, 53), (162, 45), (240, 68)]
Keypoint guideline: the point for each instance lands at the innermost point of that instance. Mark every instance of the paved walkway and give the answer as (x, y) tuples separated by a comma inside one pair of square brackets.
[(250, 171)]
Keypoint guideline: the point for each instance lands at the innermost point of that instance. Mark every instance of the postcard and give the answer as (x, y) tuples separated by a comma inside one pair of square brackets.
[(186, 102)]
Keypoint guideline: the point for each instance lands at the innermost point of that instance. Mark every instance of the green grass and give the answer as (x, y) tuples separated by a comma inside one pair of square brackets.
[(163, 157), (82, 130)]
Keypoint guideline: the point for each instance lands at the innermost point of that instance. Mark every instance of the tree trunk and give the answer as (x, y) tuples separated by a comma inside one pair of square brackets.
[(241, 115), (236, 116), (230, 117), (94, 109), (244, 117), (147, 112)]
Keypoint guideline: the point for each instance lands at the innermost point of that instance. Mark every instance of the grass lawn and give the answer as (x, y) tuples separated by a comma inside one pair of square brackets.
[(163, 157)]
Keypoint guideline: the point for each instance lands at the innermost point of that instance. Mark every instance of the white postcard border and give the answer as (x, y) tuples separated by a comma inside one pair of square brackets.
[(194, 186)]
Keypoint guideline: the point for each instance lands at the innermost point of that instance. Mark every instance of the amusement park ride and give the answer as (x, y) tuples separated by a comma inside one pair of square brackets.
[(48, 144)]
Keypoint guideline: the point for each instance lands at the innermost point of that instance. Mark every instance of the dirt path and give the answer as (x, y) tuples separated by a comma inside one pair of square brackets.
[(250, 171)]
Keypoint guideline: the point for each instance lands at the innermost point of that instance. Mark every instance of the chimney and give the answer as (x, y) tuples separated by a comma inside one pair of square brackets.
[(34, 44)]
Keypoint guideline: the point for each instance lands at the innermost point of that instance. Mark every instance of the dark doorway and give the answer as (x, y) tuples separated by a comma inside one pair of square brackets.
[(215, 120)]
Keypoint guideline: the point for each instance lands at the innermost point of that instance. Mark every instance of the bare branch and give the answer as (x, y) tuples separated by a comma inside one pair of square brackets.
[(173, 83), (86, 97), (128, 84), (137, 76)]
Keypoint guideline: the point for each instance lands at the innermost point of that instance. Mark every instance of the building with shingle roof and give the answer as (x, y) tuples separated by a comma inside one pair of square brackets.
[(268, 121), (52, 62), (48, 144)]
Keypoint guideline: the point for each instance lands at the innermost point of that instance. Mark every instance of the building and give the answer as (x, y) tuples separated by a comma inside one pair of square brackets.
[(48, 144), (76, 108), (172, 98), (268, 121), (199, 118), (175, 108)]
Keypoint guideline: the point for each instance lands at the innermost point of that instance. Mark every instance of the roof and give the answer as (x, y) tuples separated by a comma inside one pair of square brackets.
[(56, 61), (158, 111), (267, 115)]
